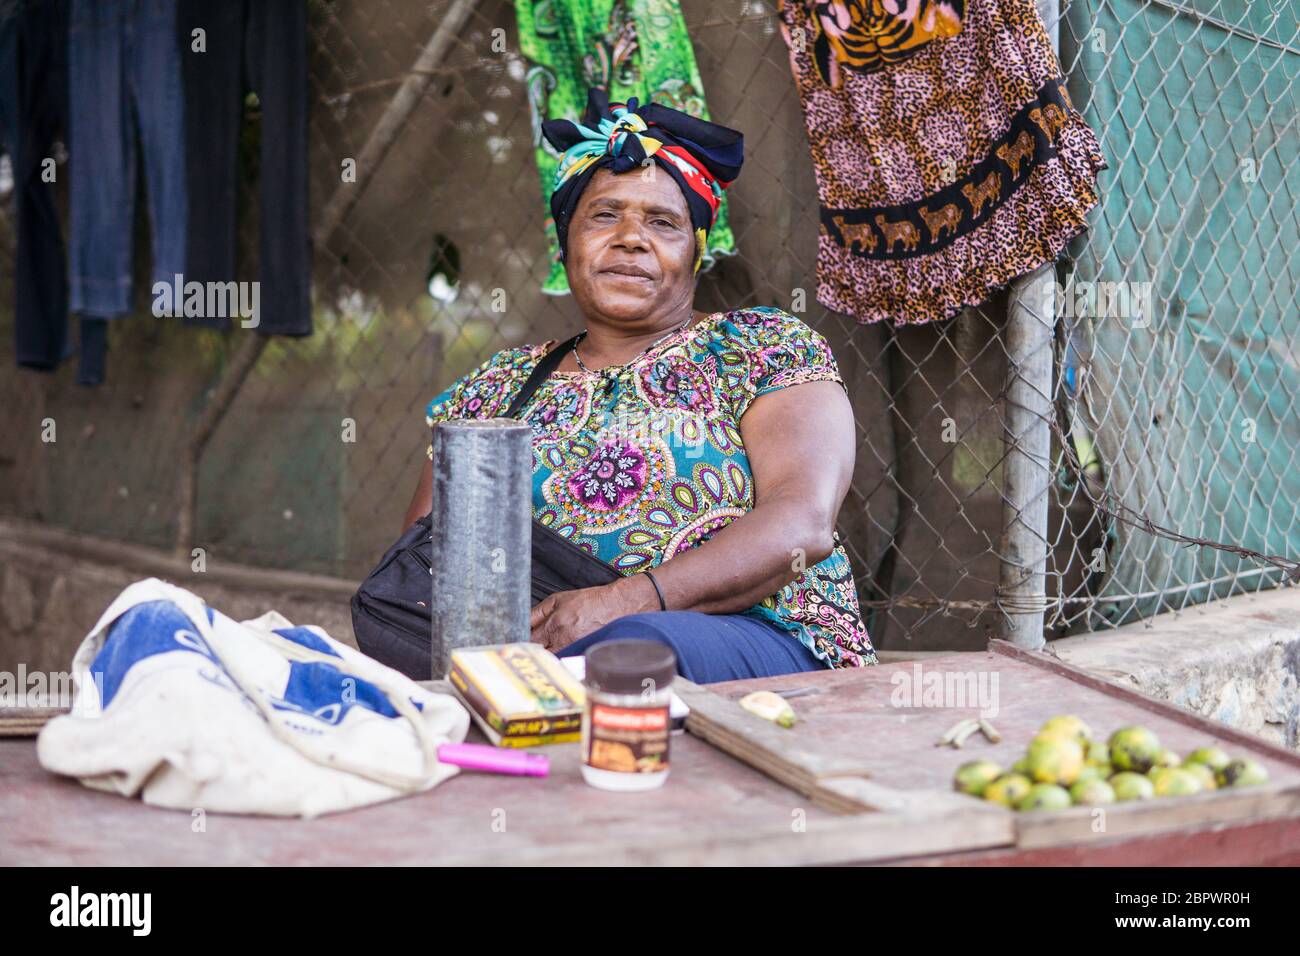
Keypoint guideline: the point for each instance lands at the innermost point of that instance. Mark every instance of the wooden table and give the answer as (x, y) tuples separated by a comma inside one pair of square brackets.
[(854, 743), (712, 810), (858, 780)]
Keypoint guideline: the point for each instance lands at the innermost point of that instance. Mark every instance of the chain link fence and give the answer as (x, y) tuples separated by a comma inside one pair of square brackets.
[(1167, 410)]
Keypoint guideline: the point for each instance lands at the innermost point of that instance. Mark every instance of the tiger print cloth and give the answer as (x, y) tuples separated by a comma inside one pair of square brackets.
[(949, 159)]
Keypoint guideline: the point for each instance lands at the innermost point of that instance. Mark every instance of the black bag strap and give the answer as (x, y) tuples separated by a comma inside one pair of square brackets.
[(541, 372)]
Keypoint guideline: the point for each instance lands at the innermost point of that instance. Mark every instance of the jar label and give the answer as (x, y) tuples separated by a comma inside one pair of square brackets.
[(628, 739)]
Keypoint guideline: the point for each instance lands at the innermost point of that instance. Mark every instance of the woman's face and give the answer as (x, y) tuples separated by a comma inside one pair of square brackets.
[(631, 247)]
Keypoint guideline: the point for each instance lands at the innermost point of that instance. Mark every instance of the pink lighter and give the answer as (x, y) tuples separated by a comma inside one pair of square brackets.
[(495, 760)]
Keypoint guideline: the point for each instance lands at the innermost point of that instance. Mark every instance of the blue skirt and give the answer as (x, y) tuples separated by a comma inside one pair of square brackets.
[(711, 647)]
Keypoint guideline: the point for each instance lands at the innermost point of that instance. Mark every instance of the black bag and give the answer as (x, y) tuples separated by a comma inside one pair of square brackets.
[(390, 611)]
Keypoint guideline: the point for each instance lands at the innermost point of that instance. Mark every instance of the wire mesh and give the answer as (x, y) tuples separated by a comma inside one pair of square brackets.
[(440, 259)]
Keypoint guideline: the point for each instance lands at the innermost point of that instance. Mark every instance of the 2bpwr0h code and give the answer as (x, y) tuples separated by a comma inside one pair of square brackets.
[(1193, 897)]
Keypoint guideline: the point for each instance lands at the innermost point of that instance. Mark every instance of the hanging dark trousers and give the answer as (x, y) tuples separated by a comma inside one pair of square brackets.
[(258, 45), (124, 76), (33, 111)]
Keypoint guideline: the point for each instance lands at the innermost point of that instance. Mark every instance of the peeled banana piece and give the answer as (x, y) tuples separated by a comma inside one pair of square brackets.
[(769, 706)]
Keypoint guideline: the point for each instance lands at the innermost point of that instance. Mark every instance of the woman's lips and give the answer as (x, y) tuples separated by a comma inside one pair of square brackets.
[(635, 276)]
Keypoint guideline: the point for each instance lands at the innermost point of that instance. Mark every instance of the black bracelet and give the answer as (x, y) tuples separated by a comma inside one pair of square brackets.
[(663, 606)]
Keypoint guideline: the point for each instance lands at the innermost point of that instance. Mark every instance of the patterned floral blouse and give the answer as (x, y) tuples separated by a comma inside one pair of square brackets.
[(639, 463)]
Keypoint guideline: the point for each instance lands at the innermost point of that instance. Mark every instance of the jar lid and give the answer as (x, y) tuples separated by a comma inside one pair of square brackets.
[(624, 666)]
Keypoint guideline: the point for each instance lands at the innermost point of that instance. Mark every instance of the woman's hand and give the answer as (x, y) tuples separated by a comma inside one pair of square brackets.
[(566, 616)]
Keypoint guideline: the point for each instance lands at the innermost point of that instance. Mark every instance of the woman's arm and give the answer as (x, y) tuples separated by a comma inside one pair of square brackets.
[(800, 442), (422, 501)]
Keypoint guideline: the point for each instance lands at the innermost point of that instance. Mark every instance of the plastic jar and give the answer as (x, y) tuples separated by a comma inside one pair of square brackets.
[(625, 722)]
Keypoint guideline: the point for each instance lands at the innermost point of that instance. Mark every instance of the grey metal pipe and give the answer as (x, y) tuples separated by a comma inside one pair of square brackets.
[(482, 534), (1027, 467)]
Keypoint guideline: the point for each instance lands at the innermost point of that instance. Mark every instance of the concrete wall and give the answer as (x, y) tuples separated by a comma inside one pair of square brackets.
[(1235, 660), (54, 585)]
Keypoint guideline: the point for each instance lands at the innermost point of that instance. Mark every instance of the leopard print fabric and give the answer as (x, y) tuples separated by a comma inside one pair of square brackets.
[(944, 173)]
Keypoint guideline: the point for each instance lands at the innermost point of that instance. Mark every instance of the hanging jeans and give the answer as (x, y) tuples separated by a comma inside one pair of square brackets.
[(124, 77), (259, 45), (33, 108)]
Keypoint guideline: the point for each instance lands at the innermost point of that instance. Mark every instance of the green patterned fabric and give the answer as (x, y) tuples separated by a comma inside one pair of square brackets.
[(628, 48)]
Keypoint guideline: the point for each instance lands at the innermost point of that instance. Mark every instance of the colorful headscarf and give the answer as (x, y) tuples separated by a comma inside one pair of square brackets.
[(702, 157)]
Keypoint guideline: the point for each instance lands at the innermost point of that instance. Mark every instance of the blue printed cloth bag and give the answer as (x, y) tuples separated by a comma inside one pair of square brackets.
[(191, 710)]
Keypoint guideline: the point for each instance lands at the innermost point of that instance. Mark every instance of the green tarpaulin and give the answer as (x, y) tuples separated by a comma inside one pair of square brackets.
[(1193, 406)]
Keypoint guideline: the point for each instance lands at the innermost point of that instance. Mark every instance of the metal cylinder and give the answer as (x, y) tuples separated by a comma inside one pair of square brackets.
[(481, 534), (1027, 468)]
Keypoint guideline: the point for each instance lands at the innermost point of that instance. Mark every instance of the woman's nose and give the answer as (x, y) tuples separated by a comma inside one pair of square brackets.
[(631, 233)]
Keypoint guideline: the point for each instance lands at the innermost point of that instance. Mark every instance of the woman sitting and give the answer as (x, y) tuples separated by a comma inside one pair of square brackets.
[(723, 442)]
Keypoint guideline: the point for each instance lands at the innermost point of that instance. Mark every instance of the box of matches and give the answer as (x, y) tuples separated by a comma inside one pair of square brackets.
[(520, 695)]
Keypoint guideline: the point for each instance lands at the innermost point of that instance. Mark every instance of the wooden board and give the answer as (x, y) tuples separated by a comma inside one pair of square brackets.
[(712, 811), (26, 721), (1264, 843), (857, 740)]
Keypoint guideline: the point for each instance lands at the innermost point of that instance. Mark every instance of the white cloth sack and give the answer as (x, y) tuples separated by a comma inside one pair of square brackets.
[(192, 710)]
